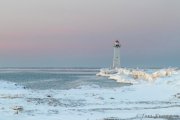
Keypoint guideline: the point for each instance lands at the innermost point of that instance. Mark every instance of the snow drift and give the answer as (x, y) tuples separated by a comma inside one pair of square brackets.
[(135, 75)]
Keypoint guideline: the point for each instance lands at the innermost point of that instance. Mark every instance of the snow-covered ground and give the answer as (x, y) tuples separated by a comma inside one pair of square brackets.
[(157, 95)]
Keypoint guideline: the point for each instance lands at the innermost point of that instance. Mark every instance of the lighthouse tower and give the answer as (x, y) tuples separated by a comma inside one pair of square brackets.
[(116, 58)]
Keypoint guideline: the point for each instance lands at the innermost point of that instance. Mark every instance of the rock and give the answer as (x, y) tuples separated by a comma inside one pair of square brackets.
[(112, 98), (17, 109), (49, 96)]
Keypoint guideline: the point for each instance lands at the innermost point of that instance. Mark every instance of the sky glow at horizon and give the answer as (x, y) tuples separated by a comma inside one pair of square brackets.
[(79, 33)]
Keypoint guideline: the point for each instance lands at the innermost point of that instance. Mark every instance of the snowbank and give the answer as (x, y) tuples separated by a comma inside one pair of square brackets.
[(134, 76)]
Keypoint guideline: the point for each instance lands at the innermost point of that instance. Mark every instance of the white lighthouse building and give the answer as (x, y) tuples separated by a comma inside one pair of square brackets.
[(116, 58)]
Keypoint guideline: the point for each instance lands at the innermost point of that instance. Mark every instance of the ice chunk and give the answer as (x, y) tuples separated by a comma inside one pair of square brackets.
[(134, 75)]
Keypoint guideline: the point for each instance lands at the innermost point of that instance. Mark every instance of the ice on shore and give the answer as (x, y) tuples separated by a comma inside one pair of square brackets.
[(161, 98), (134, 76), (92, 103)]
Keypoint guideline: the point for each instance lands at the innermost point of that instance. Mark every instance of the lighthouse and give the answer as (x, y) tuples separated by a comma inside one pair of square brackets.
[(116, 58)]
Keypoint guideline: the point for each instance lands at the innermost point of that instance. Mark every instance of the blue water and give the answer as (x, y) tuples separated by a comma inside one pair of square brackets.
[(56, 78)]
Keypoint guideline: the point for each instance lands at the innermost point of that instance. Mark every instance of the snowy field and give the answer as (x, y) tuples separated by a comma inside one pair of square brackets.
[(149, 94)]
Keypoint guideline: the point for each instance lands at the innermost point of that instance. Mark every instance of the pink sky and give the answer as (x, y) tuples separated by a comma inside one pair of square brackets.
[(83, 31)]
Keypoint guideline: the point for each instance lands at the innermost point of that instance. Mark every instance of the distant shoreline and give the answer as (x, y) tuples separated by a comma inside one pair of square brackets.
[(82, 67)]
